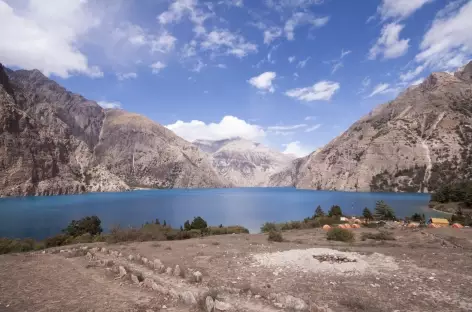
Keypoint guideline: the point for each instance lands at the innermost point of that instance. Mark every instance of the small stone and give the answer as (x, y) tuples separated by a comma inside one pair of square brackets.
[(43, 252), (278, 305), (148, 282), (169, 271), (164, 306), (257, 296), (222, 306), (122, 271), (130, 257), (120, 255), (158, 264), (95, 249), (177, 270), (109, 263), (84, 247), (62, 251), (89, 256), (188, 298), (134, 279), (144, 260), (104, 250), (210, 304), (198, 276), (414, 293), (138, 257)]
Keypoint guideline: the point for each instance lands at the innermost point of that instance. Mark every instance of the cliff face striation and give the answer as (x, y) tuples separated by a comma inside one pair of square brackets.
[(54, 142), (414, 143)]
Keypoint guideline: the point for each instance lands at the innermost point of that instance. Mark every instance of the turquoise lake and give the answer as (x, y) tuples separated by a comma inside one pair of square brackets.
[(39, 217)]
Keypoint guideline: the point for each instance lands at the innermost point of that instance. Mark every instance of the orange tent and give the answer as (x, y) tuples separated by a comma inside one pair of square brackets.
[(433, 226), (342, 226), (357, 221), (326, 227), (413, 225), (355, 226), (457, 226), (347, 226)]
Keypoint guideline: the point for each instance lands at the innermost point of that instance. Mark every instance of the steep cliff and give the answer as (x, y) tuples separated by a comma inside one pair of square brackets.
[(243, 162), (414, 143)]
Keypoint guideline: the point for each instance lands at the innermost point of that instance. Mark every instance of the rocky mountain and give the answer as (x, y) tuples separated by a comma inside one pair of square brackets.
[(414, 143), (244, 163), (55, 142)]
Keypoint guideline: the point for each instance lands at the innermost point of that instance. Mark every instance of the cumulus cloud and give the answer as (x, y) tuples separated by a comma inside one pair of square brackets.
[(323, 90), (448, 42), (310, 118), (106, 104), (46, 35), (124, 76), (281, 5), (382, 88), (389, 43), (179, 9), (297, 149), (399, 9), (291, 59), (228, 127), (157, 67), (302, 18), (222, 41), (264, 81)]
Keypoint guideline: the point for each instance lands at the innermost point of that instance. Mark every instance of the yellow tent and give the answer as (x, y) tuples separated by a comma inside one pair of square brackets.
[(439, 221)]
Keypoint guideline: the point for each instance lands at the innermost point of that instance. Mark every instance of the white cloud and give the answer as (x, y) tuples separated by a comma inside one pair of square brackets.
[(302, 64), (417, 82), (338, 63), (297, 149), (281, 5), (124, 76), (313, 128), (410, 75), (271, 34), (228, 127), (389, 43), (310, 118), (366, 82), (301, 18), (382, 88), (46, 35), (222, 66), (106, 104), (291, 127), (179, 9), (224, 42), (400, 9), (263, 81), (157, 67), (291, 59), (322, 90), (448, 42), (163, 43)]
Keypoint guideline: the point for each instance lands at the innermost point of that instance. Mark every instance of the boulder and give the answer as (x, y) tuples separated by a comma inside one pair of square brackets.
[(134, 279), (122, 271), (177, 270), (222, 306), (169, 271), (158, 265), (188, 298), (130, 257), (209, 304), (197, 276)]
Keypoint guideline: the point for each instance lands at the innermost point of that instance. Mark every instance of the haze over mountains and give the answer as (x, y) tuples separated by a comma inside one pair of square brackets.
[(57, 142)]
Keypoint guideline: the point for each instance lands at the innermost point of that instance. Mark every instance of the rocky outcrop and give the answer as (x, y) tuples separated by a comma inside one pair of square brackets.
[(243, 162), (144, 153), (414, 143), (54, 142)]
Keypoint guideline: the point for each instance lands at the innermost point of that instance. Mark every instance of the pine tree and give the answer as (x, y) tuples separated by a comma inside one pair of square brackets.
[(384, 211), (335, 211), (367, 214), (319, 212)]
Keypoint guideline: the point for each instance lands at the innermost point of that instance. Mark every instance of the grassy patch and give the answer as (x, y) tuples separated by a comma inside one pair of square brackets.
[(341, 235), (275, 236), (381, 235)]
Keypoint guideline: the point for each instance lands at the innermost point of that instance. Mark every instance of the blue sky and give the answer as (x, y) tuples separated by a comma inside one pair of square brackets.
[(292, 74)]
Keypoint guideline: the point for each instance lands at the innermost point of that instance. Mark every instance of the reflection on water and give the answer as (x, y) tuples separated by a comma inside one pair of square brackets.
[(40, 217)]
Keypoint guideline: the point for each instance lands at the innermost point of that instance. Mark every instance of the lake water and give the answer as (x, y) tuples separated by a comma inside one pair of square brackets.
[(39, 217)]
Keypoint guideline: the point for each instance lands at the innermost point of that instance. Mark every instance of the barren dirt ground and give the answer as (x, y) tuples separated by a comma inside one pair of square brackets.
[(422, 270)]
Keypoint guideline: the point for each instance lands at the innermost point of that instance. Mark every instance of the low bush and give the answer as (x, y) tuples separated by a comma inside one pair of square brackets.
[(341, 235), (8, 245), (268, 226), (57, 240), (90, 225), (381, 235), (275, 236)]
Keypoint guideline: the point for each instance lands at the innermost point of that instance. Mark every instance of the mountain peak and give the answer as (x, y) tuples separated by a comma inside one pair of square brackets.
[(465, 72), (4, 80)]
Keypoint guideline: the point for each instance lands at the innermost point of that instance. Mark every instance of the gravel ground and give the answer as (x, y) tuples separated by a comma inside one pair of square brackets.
[(422, 270)]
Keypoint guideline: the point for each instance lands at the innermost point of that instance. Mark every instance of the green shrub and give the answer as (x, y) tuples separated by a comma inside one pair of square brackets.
[(384, 211), (57, 240), (275, 236), (268, 226), (335, 211), (367, 214), (381, 235), (89, 225), (198, 224), (319, 212), (8, 245), (339, 234)]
